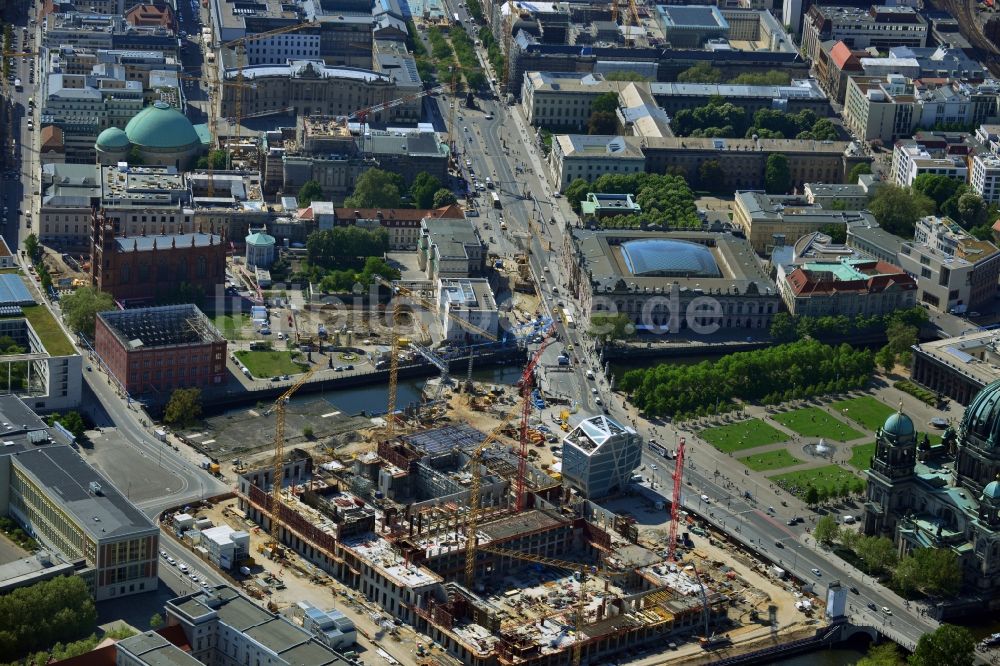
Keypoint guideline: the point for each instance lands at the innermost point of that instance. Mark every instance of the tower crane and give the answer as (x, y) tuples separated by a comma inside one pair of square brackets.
[(633, 23), (277, 476), (239, 45), (472, 524), (675, 501), (363, 114)]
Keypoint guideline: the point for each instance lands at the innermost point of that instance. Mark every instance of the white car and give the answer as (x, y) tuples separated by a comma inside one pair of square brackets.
[(706, 499), (163, 554), (171, 561), (183, 567), (816, 571)]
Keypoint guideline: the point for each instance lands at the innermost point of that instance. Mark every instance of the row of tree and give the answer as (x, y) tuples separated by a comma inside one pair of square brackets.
[(898, 208), (665, 199), (925, 571), (705, 73), (720, 118), (748, 376), (786, 327), (36, 617), (376, 188)]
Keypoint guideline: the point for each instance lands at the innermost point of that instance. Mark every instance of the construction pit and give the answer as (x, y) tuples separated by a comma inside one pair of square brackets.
[(381, 526)]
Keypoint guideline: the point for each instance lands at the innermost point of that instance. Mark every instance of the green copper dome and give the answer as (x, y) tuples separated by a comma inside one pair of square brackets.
[(982, 416), (992, 490), (112, 139), (161, 126), (899, 424)]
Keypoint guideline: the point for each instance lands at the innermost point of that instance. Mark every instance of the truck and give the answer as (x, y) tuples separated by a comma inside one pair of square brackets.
[(778, 573)]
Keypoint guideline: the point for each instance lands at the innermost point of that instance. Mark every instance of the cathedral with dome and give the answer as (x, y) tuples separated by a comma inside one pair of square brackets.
[(944, 496), (159, 135)]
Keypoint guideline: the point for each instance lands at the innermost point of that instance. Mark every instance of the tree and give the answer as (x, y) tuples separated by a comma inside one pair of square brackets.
[(934, 571), (624, 75), (376, 188), (711, 176), (936, 187), (343, 248), (878, 553), (772, 77), (826, 531), (610, 327), (897, 209), (836, 232), (882, 654), (601, 122), (812, 496), (184, 407), (700, 73), (782, 327), (605, 103), (308, 432), (32, 247), (423, 189), (948, 645), (901, 339), (72, 421), (886, 359), (859, 170), (215, 158), (310, 191), (576, 192), (155, 621), (40, 615), (443, 197), (81, 307), (777, 176), (972, 210)]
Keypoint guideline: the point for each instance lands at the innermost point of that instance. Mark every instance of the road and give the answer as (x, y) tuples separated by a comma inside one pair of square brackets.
[(21, 159), (497, 143)]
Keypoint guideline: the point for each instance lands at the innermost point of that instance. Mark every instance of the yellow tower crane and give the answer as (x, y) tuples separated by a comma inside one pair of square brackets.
[(399, 292), (277, 476), (239, 45)]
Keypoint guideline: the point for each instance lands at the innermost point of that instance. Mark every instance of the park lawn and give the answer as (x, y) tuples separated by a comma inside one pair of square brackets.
[(264, 364), (231, 326), (865, 411), (861, 455), (828, 476), (814, 422), (743, 435), (763, 462)]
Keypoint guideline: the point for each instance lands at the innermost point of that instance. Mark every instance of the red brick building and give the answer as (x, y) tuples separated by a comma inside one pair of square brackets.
[(152, 14), (150, 267), (157, 350)]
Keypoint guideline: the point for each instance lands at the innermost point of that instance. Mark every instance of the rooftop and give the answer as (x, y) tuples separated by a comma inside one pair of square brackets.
[(292, 644), (165, 326), (848, 275), (589, 434), (584, 145), (798, 89), (381, 555), (974, 354), (691, 16), (308, 69), (601, 258), (153, 649), (165, 241), (473, 294), (77, 489), (532, 520)]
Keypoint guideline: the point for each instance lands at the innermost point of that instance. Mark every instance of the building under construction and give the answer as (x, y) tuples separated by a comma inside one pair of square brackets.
[(155, 350), (560, 580)]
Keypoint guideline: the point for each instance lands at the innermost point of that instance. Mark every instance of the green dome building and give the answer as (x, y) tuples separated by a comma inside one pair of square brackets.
[(159, 134)]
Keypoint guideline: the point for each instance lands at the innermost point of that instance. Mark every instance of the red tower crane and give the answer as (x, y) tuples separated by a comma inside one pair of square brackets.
[(527, 382), (675, 504)]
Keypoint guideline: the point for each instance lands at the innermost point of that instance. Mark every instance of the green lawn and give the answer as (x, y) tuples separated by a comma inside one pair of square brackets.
[(231, 326), (49, 332), (865, 411), (264, 364), (861, 455), (814, 422), (828, 476), (763, 462), (743, 435)]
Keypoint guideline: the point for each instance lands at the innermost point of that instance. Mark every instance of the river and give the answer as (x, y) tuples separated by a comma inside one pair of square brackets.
[(372, 399)]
